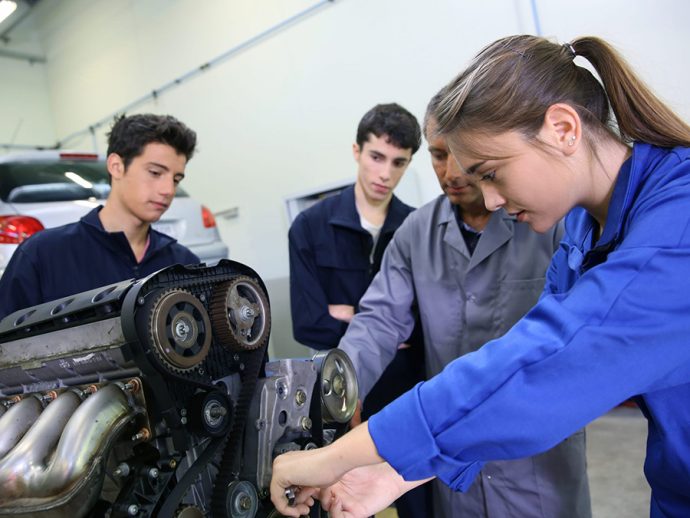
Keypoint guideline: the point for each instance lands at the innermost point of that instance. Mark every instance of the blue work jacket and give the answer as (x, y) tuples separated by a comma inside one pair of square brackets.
[(613, 323), (58, 262), (330, 264)]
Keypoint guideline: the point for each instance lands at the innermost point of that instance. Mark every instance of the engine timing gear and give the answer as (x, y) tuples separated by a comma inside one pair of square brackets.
[(179, 330), (239, 314)]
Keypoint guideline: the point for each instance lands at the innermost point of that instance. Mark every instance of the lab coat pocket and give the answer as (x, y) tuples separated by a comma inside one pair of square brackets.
[(515, 298)]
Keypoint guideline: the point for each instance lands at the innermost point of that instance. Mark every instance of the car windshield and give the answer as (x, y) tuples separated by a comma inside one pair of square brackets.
[(61, 180)]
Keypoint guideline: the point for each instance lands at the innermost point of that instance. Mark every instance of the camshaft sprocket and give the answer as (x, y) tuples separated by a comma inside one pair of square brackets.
[(239, 314)]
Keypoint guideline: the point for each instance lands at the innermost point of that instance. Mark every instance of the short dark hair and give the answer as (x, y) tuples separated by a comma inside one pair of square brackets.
[(129, 135), (391, 120)]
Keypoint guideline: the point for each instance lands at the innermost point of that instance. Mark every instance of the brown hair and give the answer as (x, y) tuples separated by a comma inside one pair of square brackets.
[(512, 82)]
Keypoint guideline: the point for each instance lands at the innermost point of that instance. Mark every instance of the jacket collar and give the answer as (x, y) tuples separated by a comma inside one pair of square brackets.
[(498, 230), (345, 212), (117, 241), (624, 192)]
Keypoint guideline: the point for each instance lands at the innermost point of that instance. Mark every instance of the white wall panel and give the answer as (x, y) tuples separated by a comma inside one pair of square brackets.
[(25, 109)]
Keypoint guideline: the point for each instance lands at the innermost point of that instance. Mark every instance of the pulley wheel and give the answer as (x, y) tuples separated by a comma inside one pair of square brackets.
[(180, 329), (212, 413), (339, 389), (240, 314), (242, 500)]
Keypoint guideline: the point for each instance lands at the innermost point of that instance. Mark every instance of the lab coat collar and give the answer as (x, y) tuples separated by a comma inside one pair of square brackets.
[(498, 231)]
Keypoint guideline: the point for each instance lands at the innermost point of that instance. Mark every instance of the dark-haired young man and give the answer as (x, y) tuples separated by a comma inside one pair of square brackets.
[(336, 248), (147, 156)]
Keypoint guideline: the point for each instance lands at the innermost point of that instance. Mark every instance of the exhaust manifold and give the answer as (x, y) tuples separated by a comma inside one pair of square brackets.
[(56, 455)]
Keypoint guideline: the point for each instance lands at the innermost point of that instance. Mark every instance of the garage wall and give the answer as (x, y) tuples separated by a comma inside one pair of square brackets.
[(26, 117), (276, 119), (279, 117)]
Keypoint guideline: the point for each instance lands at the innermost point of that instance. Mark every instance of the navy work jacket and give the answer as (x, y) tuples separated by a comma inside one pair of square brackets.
[(81, 256), (330, 264)]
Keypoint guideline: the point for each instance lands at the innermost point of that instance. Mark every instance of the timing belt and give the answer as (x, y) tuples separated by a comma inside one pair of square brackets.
[(227, 472)]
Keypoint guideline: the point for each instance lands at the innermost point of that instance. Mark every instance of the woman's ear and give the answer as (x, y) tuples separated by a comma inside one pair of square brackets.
[(562, 128)]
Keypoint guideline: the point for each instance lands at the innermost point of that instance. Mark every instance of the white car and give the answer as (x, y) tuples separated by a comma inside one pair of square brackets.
[(44, 189)]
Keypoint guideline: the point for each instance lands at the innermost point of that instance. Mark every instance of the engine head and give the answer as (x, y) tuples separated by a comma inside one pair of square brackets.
[(154, 397)]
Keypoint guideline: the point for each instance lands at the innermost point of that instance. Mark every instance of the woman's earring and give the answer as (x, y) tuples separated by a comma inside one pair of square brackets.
[(572, 140)]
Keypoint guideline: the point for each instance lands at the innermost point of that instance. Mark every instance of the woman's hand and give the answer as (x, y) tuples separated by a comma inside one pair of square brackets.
[(305, 472), (308, 471), (363, 491)]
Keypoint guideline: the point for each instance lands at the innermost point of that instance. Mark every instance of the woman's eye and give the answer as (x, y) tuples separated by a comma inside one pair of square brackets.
[(488, 177)]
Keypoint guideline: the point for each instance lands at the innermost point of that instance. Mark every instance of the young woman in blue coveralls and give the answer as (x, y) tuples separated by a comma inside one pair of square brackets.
[(545, 138)]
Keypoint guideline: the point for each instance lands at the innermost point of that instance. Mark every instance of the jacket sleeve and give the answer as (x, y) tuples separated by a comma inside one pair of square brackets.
[(574, 356), (312, 325), (385, 318), (20, 285)]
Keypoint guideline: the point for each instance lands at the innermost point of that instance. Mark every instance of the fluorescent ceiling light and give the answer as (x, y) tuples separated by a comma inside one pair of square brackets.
[(7, 7)]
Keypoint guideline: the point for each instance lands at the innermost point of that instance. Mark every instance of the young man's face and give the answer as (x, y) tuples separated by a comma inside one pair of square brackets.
[(380, 167), (147, 187)]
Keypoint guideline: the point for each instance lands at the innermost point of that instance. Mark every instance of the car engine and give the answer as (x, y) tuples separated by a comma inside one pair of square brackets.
[(154, 397)]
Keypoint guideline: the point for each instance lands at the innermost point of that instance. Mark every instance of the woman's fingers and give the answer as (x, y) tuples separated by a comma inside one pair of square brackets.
[(326, 498), (305, 495), (337, 509)]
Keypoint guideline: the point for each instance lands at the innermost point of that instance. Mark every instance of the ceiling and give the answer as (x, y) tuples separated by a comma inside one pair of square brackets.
[(8, 28)]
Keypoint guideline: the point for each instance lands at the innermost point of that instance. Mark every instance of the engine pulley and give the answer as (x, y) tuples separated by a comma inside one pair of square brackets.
[(240, 314), (212, 413), (179, 329), (338, 385), (242, 500)]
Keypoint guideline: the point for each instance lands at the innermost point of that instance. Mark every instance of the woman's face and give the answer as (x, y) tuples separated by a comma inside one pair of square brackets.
[(531, 183)]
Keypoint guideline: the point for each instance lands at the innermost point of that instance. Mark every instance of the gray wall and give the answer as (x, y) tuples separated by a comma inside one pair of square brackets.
[(279, 117)]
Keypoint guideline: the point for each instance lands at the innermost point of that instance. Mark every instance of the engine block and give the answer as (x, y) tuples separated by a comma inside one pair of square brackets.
[(154, 397)]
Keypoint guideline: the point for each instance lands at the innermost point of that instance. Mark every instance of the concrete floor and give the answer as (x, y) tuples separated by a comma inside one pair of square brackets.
[(615, 455)]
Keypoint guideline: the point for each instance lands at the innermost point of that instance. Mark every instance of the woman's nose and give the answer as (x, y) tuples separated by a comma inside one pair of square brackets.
[(492, 198)]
